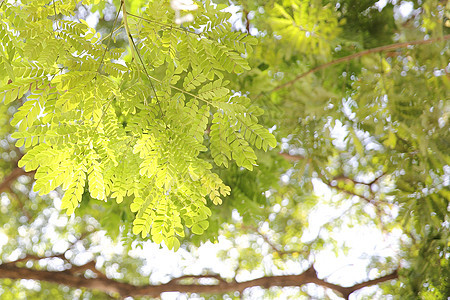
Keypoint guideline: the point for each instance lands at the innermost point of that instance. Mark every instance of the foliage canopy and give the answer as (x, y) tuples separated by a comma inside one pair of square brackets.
[(158, 131), (131, 127)]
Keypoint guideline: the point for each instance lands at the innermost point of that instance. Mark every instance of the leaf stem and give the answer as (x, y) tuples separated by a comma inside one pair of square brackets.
[(110, 34), (183, 29), (133, 45), (110, 38)]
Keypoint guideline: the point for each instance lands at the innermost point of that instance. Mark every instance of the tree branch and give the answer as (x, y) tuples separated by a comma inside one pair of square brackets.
[(351, 193), (5, 186), (19, 202), (359, 54), (266, 239), (8, 180), (247, 21), (197, 277), (70, 279), (292, 157), (87, 266), (369, 184), (32, 257)]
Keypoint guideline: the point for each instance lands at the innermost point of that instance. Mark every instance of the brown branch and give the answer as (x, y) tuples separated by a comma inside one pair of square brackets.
[(6, 186), (369, 184), (74, 269), (368, 200), (247, 21), (197, 277), (269, 242), (351, 193), (82, 237), (87, 266), (125, 289), (272, 245), (359, 54), (292, 157), (376, 179), (25, 212), (391, 276), (32, 257), (8, 180), (264, 237)]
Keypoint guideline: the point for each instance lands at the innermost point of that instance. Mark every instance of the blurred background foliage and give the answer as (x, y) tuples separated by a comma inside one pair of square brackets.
[(366, 139)]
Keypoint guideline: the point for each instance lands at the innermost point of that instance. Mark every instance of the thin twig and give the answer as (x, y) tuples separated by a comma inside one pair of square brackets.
[(274, 247), (369, 184), (376, 179), (57, 27), (16, 173), (111, 34), (359, 54), (110, 38), (105, 107), (133, 45), (170, 27), (347, 191), (292, 157), (159, 81), (19, 202)]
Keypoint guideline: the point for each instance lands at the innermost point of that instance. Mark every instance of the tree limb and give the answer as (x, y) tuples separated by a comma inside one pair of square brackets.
[(19, 202), (87, 266), (8, 180), (292, 157), (5, 186), (349, 192), (32, 257), (354, 181), (197, 277), (247, 21), (104, 284)]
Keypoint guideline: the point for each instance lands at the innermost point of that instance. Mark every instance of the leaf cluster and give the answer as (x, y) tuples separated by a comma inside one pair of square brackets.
[(130, 124)]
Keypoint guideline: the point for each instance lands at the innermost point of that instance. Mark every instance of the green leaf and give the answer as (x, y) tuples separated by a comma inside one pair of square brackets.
[(197, 229)]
